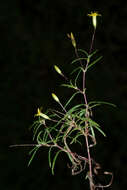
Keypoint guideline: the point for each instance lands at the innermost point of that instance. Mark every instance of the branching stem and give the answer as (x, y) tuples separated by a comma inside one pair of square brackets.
[(92, 187)]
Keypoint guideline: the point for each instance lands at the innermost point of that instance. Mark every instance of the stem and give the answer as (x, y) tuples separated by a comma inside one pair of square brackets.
[(84, 94), (90, 164), (63, 107), (76, 53), (92, 187), (91, 46), (21, 145), (86, 133), (86, 136)]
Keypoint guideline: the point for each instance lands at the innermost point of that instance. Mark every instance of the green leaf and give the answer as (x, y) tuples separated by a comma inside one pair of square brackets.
[(74, 140), (78, 59), (56, 113), (33, 152), (102, 102), (69, 86), (77, 76), (77, 68), (100, 130), (82, 118), (39, 139), (95, 105), (93, 53), (54, 126), (73, 130), (82, 112), (34, 123), (75, 108), (45, 136), (71, 99), (83, 51), (94, 62), (54, 161), (49, 156), (36, 128), (58, 138), (92, 131), (93, 123), (70, 157), (81, 121)]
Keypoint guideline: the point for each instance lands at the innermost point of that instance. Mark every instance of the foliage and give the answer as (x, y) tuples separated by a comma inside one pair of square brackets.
[(60, 129)]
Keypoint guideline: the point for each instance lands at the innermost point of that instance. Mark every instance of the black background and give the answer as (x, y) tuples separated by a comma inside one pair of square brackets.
[(32, 39)]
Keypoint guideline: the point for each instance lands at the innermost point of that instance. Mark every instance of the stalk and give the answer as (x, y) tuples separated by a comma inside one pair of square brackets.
[(90, 177)]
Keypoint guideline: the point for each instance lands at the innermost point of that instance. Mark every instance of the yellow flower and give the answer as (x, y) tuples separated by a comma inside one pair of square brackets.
[(39, 113), (94, 18)]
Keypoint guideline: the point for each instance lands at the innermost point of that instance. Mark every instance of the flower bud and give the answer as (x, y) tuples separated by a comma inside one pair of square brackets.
[(55, 97), (71, 36), (58, 70)]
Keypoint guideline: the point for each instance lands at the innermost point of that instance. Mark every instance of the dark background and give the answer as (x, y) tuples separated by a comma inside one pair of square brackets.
[(32, 39)]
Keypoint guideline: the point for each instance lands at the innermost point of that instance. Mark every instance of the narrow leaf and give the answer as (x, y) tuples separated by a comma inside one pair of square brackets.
[(93, 53), (54, 161), (71, 99), (100, 130), (77, 68), (102, 102), (94, 62), (78, 59), (83, 51), (75, 108), (95, 105), (39, 140), (92, 131), (69, 86), (93, 123), (35, 130), (34, 150), (77, 76), (49, 156), (74, 140)]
